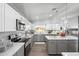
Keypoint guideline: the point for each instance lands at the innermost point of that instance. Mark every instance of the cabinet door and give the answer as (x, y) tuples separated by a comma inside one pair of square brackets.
[(1, 17), (72, 47), (78, 34), (10, 18), (51, 47), (20, 52), (61, 46)]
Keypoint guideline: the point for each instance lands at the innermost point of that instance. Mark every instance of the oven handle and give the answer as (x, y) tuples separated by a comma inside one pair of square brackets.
[(27, 43)]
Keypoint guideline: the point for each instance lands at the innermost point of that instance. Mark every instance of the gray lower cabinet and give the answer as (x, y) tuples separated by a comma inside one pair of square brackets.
[(51, 47), (61, 46), (20, 52), (72, 46), (58, 46)]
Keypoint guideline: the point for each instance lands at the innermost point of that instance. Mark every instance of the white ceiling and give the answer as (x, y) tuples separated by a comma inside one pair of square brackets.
[(40, 13), (36, 12)]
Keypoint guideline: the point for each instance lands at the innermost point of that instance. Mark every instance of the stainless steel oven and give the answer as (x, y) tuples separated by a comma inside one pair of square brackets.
[(27, 45)]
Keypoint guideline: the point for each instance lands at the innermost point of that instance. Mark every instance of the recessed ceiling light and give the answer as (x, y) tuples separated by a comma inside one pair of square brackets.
[(50, 15), (37, 17)]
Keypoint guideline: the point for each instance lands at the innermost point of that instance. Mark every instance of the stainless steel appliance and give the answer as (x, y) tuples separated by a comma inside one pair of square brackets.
[(20, 26), (27, 45)]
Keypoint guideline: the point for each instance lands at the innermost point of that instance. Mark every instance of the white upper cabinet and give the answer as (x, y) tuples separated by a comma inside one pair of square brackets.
[(10, 18), (1, 17)]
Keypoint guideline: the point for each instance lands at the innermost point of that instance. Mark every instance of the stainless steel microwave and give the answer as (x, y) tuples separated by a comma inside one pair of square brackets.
[(19, 25)]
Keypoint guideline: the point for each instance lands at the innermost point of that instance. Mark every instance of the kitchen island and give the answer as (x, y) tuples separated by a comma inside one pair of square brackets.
[(58, 44), (61, 38), (16, 50)]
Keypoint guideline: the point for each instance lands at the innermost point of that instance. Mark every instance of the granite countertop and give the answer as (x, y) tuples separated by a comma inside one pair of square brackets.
[(12, 50), (61, 38), (70, 53)]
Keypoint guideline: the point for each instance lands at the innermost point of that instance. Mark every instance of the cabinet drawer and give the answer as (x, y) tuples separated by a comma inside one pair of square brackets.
[(72, 46), (21, 51), (51, 45), (61, 46)]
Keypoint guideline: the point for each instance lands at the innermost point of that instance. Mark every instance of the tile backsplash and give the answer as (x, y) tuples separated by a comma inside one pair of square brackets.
[(4, 35)]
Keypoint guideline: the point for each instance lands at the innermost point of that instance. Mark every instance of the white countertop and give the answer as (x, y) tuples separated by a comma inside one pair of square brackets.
[(70, 53), (12, 50), (63, 38), (29, 35)]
